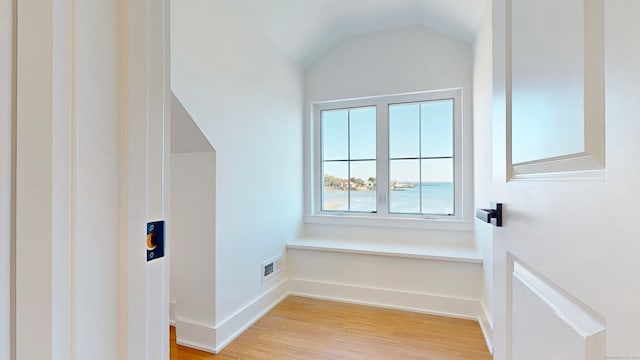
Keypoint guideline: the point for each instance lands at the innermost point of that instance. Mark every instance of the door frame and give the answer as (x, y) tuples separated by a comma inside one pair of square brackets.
[(7, 178)]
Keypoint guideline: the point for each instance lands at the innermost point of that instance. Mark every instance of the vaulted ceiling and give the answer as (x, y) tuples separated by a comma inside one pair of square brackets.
[(304, 29)]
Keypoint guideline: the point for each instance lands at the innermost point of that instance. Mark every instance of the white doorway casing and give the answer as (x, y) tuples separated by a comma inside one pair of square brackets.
[(483, 161), (6, 176), (91, 159), (145, 285)]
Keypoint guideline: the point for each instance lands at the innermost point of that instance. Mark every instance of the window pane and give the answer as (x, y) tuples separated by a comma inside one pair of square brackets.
[(363, 186), (404, 194), (363, 133), (437, 186), (437, 128), (335, 194), (404, 131), (335, 135)]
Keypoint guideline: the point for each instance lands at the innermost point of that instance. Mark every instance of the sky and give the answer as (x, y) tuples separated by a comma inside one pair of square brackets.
[(415, 130)]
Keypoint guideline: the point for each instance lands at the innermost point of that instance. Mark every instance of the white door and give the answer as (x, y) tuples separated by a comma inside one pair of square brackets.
[(567, 168)]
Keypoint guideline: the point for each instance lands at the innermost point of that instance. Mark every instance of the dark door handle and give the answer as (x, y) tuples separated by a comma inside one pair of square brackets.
[(492, 216)]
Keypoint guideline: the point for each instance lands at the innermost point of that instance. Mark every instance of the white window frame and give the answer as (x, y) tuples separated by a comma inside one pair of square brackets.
[(383, 217)]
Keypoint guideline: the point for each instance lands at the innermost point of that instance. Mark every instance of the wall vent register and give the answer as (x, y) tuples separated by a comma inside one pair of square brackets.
[(271, 267)]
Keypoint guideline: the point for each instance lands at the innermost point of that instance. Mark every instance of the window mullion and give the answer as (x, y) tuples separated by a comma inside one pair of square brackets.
[(316, 173), (420, 154), (348, 160), (382, 155)]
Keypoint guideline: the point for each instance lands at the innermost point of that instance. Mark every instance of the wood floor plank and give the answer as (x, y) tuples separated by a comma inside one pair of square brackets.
[(302, 329)]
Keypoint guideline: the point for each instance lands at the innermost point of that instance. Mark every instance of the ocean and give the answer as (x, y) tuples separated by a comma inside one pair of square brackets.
[(437, 199)]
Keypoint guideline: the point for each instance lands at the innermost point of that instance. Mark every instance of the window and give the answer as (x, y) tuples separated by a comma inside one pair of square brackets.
[(390, 156), (349, 159)]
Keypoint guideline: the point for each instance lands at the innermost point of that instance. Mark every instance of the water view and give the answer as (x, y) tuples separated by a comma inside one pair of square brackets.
[(404, 198)]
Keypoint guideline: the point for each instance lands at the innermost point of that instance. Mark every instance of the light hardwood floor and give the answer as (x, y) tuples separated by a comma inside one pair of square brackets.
[(302, 328)]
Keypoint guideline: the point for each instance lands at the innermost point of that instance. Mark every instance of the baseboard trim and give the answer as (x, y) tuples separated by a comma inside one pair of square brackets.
[(172, 313), (234, 325), (486, 325), (385, 298), (197, 336)]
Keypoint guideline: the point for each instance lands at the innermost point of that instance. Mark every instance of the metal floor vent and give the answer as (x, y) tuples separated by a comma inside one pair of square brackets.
[(271, 267)]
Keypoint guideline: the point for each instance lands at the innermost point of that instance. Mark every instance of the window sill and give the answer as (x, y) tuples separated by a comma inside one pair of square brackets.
[(389, 222), (464, 254)]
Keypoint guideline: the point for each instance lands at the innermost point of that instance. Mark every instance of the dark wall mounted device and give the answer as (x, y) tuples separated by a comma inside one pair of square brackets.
[(492, 216), (155, 240)]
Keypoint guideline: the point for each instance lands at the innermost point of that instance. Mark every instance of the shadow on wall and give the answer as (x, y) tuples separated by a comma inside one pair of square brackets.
[(186, 136)]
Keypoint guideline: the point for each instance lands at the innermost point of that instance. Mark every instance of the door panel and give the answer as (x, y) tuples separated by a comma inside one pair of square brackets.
[(566, 281), (555, 82)]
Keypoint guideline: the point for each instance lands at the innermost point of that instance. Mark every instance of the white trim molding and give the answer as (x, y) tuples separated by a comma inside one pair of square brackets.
[(172, 313), (196, 336), (541, 312), (485, 320), (213, 339), (423, 223), (7, 178), (410, 251), (385, 298), (234, 325)]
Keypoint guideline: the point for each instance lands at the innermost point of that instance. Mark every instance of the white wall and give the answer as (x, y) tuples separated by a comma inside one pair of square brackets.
[(192, 230), (193, 240), (482, 152), (421, 285), (6, 194), (245, 95), (192, 225)]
